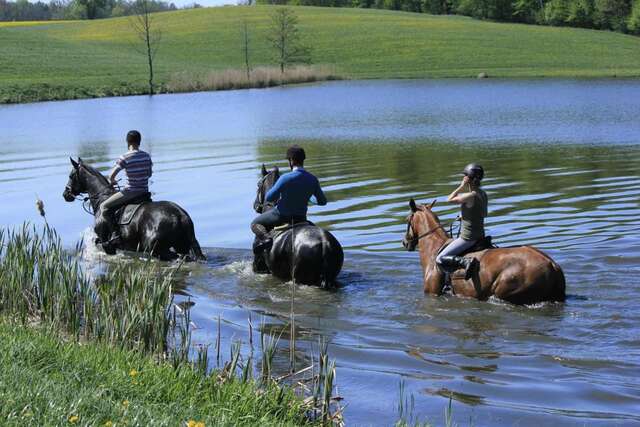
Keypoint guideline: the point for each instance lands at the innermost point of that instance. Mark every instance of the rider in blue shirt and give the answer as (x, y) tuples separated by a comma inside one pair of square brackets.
[(292, 193)]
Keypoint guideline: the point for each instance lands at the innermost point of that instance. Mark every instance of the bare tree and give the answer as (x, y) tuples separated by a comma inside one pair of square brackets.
[(245, 48), (284, 37), (148, 33)]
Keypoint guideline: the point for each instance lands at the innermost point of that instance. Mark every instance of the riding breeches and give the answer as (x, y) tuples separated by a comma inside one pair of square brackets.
[(456, 247)]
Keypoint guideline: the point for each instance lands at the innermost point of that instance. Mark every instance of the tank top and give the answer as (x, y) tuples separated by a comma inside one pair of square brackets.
[(472, 224)]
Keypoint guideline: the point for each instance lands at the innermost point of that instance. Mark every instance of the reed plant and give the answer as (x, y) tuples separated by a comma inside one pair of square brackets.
[(131, 308), (260, 77)]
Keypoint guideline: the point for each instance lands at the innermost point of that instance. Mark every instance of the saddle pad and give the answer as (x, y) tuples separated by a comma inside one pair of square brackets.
[(286, 227), (127, 213)]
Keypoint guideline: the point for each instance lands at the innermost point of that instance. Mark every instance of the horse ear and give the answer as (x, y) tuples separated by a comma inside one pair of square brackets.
[(264, 170), (80, 160), (412, 205), (432, 204), (276, 170), (74, 163)]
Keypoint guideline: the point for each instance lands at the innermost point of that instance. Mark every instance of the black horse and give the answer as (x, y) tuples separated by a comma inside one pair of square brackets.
[(304, 252), (163, 229)]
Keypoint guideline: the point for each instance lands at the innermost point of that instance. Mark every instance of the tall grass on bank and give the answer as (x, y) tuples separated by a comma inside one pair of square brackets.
[(41, 282), (260, 77), (130, 309)]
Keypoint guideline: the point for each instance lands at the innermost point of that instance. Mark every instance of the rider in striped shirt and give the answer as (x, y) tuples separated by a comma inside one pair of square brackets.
[(138, 166)]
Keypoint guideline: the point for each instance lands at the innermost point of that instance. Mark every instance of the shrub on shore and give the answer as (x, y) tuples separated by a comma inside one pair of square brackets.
[(260, 77)]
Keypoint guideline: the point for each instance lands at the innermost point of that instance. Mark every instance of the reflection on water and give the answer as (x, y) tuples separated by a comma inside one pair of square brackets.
[(561, 160)]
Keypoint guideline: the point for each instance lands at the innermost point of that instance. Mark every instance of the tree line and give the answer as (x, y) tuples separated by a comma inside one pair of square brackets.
[(615, 15), (24, 10)]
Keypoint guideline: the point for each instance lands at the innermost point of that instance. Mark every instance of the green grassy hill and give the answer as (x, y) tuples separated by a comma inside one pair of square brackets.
[(93, 58)]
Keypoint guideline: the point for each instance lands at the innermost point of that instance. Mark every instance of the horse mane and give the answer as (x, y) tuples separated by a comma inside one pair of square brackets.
[(431, 215), (94, 172)]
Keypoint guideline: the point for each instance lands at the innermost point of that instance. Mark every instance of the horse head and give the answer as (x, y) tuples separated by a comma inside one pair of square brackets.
[(421, 222), (76, 184), (267, 180)]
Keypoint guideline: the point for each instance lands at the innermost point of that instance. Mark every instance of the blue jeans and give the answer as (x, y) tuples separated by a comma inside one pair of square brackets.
[(269, 220)]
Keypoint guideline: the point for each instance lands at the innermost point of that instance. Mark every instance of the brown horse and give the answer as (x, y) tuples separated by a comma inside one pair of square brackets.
[(520, 275)]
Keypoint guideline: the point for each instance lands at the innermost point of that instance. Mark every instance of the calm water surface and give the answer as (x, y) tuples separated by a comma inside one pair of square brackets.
[(562, 161)]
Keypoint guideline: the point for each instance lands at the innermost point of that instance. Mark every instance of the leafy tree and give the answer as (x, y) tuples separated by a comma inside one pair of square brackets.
[(611, 14), (633, 24), (580, 13), (284, 37)]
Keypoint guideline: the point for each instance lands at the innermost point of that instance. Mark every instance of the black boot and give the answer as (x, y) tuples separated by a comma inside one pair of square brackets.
[(263, 241), (452, 263)]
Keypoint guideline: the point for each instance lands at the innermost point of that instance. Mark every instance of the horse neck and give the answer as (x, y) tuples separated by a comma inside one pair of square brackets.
[(431, 244), (98, 191)]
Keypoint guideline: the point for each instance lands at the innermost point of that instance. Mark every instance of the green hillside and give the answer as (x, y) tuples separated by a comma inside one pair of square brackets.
[(93, 58)]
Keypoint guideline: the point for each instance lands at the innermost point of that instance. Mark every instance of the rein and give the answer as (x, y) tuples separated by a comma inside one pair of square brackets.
[(416, 239)]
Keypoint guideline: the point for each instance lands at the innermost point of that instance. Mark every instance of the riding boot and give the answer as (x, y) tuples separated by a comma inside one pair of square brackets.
[(452, 263), (262, 242)]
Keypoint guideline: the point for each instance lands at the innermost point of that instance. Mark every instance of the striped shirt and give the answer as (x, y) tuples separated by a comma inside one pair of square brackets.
[(137, 165)]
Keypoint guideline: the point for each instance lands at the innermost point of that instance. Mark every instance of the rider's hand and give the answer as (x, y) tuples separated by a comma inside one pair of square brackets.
[(465, 181), (113, 181)]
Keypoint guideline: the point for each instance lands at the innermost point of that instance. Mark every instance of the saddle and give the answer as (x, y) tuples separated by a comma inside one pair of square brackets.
[(124, 214), (286, 227)]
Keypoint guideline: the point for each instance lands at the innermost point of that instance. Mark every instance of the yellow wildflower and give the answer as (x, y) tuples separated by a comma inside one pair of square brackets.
[(125, 403), (194, 423), (199, 424), (74, 419), (133, 373), (108, 423)]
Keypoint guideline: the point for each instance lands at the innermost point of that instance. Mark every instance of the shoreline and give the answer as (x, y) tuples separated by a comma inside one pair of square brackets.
[(103, 93)]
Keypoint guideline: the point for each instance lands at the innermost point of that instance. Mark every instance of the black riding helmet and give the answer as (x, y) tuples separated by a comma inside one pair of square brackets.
[(296, 153), (474, 171)]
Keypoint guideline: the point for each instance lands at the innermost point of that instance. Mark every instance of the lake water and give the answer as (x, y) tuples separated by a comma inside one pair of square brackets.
[(562, 161)]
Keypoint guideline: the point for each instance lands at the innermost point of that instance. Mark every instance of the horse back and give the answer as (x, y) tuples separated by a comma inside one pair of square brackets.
[(520, 274)]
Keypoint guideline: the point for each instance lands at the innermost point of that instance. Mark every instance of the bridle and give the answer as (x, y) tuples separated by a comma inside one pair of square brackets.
[(86, 200)]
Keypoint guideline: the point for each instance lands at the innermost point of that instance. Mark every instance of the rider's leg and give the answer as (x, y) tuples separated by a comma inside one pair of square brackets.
[(266, 222), (105, 220), (449, 261), (261, 226)]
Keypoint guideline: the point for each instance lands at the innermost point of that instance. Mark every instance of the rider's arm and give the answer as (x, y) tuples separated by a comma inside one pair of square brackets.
[(456, 197), (321, 199), (116, 169), (273, 195)]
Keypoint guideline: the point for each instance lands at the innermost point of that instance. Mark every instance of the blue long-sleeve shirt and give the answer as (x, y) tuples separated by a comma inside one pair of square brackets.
[(293, 191)]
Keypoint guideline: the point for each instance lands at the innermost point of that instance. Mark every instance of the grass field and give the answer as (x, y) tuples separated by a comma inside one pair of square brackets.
[(44, 381), (96, 58)]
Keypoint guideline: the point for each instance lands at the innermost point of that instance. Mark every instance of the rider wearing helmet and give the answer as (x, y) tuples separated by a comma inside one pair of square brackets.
[(292, 193), (473, 203)]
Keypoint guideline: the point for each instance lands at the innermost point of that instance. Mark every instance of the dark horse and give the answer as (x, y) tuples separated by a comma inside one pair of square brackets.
[(304, 252), (520, 275), (163, 229)]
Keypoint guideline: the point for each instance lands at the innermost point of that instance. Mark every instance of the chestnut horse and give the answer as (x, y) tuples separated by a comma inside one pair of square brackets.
[(520, 275)]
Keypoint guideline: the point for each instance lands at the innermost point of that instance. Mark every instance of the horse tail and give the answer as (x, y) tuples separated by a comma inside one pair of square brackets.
[(325, 282), (196, 250), (194, 246), (332, 259), (561, 285)]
